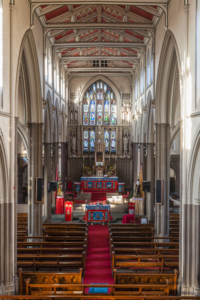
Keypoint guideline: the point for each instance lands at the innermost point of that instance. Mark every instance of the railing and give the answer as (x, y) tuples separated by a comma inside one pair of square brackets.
[(101, 297)]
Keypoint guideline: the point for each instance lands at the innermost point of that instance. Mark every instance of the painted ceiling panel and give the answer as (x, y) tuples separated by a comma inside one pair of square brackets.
[(56, 13), (93, 13)]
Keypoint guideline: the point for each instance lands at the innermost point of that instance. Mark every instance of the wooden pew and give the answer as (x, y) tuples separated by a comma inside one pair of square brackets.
[(22, 216), (37, 262), (150, 238), (61, 232), (72, 226), (72, 276), (172, 245), (53, 238), (145, 261), (51, 244), (60, 251), (130, 226), (142, 251), (173, 216), (23, 232), (130, 277), (120, 289)]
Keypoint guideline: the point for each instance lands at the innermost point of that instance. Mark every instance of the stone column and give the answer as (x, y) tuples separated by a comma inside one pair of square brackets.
[(47, 178), (120, 139), (142, 158), (34, 170), (7, 181), (135, 149), (55, 162), (78, 143), (64, 164), (15, 205), (150, 200), (163, 172)]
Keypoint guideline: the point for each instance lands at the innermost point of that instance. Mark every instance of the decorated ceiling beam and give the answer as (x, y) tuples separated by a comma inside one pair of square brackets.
[(99, 44), (48, 9), (163, 4), (97, 57), (117, 74), (149, 9), (103, 69), (90, 25)]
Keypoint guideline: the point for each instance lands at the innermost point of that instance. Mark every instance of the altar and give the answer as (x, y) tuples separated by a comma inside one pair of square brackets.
[(97, 213), (95, 183)]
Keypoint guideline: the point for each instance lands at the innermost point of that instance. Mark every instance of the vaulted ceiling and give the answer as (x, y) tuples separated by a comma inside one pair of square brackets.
[(101, 31)]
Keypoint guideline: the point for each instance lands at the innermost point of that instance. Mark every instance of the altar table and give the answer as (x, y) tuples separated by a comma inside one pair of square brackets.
[(127, 218), (95, 183), (97, 213), (60, 205)]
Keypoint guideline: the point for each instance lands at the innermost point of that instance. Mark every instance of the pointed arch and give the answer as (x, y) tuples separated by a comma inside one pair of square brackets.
[(110, 83), (149, 120), (169, 59), (28, 60), (4, 170), (48, 119), (148, 67)]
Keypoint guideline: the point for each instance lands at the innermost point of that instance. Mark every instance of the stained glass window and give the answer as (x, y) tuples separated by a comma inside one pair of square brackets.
[(106, 112), (113, 112), (92, 140), (113, 141), (99, 108), (91, 95), (106, 140), (85, 112), (92, 112), (99, 112), (85, 141)]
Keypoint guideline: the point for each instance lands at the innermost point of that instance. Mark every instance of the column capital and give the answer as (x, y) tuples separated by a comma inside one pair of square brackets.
[(12, 6), (186, 8)]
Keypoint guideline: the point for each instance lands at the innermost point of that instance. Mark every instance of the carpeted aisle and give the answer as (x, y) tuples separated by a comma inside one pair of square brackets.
[(98, 265)]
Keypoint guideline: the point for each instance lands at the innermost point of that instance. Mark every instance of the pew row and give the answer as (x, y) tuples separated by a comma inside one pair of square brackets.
[(71, 276), (120, 289), (145, 262), (40, 261), (130, 277)]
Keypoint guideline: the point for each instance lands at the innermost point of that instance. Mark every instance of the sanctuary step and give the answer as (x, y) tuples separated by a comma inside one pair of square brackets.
[(98, 196)]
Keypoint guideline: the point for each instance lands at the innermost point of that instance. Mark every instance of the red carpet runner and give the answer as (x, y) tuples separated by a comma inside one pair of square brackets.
[(98, 265)]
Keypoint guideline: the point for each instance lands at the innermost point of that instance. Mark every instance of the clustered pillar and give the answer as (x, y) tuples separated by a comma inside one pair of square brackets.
[(163, 172), (55, 162), (150, 199), (47, 178), (34, 171)]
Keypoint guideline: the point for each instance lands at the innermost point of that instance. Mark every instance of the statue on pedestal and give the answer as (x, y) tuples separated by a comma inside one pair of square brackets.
[(125, 142), (59, 188), (73, 144), (137, 189)]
